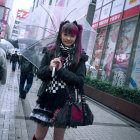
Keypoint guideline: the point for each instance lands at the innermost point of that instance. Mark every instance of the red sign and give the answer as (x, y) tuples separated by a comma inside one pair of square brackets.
[(103, 22), (131, 8), (115, 17), (131, 12), (22, 14), (94, 25), (6, 14), (2, 2)]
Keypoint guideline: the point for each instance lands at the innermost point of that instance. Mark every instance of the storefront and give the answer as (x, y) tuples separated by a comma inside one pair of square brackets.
[(116, 55), (4, 13)]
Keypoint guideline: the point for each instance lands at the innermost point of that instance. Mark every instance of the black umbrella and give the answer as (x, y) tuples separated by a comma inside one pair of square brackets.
[(13, 42)]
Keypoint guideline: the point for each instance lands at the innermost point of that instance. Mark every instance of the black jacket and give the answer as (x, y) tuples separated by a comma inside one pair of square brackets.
[(14, 58), (26, 66), (75, 78)]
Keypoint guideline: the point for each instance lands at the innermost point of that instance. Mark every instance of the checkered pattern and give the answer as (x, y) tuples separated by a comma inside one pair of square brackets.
[(56, 82)]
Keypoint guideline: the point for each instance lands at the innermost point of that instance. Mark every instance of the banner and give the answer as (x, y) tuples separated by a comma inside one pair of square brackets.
[(96, 19), (106, 1), (22, 14), (109, 51), (96, 58), (105, 15), (123, 52), (116, 11), (99, 3), (135, 75), (131, 8), (2, 2)]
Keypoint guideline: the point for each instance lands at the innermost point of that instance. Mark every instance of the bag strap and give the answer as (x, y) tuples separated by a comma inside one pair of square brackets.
[(80, 95)]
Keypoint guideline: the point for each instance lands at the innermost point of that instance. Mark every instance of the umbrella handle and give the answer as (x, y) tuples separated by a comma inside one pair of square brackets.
[(53, 71)]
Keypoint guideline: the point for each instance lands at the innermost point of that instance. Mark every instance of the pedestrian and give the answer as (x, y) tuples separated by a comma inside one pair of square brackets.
[(14, 59), (27, 70), (3, 67), (69, 62)]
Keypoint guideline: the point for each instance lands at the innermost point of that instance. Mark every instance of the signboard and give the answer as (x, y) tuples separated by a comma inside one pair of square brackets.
[(96, 19), (106, 1), (22, 14), (131, 8), (9, 4), (6, 14), (99, 3), (109, 51), (116, 12), (2, 2), (105, 15)]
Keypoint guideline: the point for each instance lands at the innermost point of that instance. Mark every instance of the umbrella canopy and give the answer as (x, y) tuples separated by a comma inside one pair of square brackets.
[(54, 16), (13, 42), (6, 45)]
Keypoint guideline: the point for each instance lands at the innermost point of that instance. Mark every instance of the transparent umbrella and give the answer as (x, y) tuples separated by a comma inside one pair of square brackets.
[(54, 15), (6, 45)]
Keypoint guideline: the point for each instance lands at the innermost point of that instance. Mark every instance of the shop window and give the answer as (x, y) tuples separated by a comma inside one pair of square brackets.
[(16, 27), (135, 75), (17, 22), (14, 31), (107, 59), (96, 57), (123, 51)]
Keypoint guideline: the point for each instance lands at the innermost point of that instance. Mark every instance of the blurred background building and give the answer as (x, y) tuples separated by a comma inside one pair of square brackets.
[(5, 8)]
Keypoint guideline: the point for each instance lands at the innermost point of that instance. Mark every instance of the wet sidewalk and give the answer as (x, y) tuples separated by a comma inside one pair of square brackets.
[(16, 125)]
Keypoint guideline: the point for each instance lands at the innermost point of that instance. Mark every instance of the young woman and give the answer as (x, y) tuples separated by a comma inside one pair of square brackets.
[(69, 61)]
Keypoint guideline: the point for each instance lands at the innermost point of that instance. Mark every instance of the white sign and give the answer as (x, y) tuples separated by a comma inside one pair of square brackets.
[(131, 3), (96, 18), (105, 15), (99, 3), (106, 1), (117, 7), (131, 8), (116, 12), (105, 11)]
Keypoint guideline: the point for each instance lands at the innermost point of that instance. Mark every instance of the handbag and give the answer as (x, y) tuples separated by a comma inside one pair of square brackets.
[(75, 113)]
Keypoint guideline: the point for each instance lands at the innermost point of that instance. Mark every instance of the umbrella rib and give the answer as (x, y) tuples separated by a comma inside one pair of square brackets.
[(50, 17), (48, 30), (69, 14)]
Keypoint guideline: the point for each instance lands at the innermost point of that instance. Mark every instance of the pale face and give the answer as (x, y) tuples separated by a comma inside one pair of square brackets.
[(68, 39)]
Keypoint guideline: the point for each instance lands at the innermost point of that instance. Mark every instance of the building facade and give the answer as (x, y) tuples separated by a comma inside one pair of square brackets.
[(116, 55), (5, 7)]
